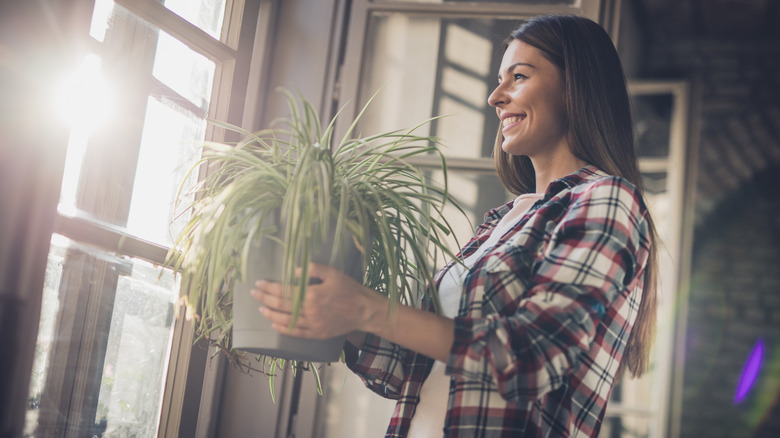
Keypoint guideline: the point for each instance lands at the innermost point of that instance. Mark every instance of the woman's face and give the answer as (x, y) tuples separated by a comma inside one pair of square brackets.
[(529, 101)]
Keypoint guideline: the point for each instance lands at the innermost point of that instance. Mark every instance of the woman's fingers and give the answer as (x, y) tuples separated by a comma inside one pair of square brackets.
[(280, 321), (271, 295), (277, 307), (334, 305)]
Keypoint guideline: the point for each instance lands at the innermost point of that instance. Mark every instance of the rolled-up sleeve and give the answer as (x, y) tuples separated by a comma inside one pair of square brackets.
[(380, 364), (552, 300)]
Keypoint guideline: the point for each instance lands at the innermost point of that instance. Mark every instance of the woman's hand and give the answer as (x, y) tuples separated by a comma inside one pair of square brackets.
[(340, 305), (336, 306)]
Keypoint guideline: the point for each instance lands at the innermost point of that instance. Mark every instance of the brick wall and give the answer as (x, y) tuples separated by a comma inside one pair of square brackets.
[(738, 86), (734, 302), (735, 286)]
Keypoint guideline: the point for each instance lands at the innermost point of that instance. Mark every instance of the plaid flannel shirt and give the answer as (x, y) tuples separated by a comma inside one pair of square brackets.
[(543, 320)]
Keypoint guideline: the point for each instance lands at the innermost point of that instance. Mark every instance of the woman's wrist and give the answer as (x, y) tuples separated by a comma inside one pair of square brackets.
[(415, 329), (375, 314)]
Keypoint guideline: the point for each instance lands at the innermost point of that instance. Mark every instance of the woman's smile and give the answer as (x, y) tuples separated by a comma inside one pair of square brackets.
[(509, 120)]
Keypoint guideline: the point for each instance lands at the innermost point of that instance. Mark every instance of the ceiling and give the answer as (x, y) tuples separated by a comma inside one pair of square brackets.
[(733, 19), (729, 49)]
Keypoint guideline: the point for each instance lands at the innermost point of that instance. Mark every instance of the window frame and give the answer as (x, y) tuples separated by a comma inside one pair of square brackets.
[(233, 55)]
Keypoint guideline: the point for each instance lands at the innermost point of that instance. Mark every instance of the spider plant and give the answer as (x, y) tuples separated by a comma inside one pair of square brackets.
[(359, 189)]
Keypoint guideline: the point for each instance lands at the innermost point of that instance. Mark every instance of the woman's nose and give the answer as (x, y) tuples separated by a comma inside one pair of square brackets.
[(497, 97)]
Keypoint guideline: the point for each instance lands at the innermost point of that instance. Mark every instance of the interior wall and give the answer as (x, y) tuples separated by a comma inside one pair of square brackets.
[(738, 105), (734, 287), (299, 60), (734, 313)]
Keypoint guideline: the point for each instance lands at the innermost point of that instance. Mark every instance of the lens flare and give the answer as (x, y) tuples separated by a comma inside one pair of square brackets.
[(83, 99), (750, 372)]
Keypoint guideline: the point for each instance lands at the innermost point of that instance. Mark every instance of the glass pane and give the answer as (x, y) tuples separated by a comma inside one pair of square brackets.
[(100, 19), (169, 145), (183, 70), (153, 157), (138, 349), (426, 66), (653, 121), (206, 14), (50, 306), (477, 193), (656, 193), (125, 357), (84, 103)]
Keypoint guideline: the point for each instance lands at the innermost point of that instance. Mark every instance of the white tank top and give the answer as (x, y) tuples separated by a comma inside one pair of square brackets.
[(428, 420)]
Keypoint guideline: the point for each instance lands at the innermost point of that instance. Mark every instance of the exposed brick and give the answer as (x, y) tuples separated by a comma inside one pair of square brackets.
[(735, 286), (714, 106), (734, 301)]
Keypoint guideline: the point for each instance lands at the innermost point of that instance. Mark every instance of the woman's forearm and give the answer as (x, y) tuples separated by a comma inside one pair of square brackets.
[(417, 330)]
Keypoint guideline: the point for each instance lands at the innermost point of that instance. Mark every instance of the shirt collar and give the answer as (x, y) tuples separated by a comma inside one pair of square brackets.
[(583, 175)]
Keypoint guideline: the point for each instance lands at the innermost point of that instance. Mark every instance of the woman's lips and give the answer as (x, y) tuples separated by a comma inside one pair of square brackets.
[(507, 122)]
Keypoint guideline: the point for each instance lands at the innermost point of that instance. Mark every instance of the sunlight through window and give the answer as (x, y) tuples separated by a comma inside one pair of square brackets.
[(83, 101)]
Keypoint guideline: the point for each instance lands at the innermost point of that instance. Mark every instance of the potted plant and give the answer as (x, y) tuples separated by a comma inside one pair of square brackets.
[(289, 194)]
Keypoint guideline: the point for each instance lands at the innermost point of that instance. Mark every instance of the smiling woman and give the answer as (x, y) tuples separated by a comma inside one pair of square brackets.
[(552, 299)]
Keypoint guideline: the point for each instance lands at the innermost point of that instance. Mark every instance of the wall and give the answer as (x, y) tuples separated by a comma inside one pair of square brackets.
[(734, 303), (738, 99), (298, 58), (735, 288)]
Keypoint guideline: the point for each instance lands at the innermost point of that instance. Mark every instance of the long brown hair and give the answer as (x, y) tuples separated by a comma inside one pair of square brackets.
[(600, 133)]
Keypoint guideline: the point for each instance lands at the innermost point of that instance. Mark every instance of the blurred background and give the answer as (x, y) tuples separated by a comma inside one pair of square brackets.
[(105, 104)]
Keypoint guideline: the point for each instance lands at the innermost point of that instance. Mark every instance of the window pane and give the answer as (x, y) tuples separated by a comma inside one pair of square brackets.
[(169, 145), (477, 193), (653, 122), (656, 194), (206, 14), (426, 66), (126, 354), (103, 162), (183, 70), (137, 354), (100, 19), (50, 306)]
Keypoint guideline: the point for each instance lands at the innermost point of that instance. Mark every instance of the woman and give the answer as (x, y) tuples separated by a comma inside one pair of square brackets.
[(556, 295)]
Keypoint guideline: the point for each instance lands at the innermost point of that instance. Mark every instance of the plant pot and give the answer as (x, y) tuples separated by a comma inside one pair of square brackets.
[(253, 333)]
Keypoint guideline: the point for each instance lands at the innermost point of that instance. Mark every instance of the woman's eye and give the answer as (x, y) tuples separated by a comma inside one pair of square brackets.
[(519, 76)]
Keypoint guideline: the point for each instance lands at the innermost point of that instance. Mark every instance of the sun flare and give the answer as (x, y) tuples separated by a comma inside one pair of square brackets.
[(83, 99)]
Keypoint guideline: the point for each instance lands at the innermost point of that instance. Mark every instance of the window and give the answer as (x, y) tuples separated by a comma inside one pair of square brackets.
[(639, 408), (138, 108)]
